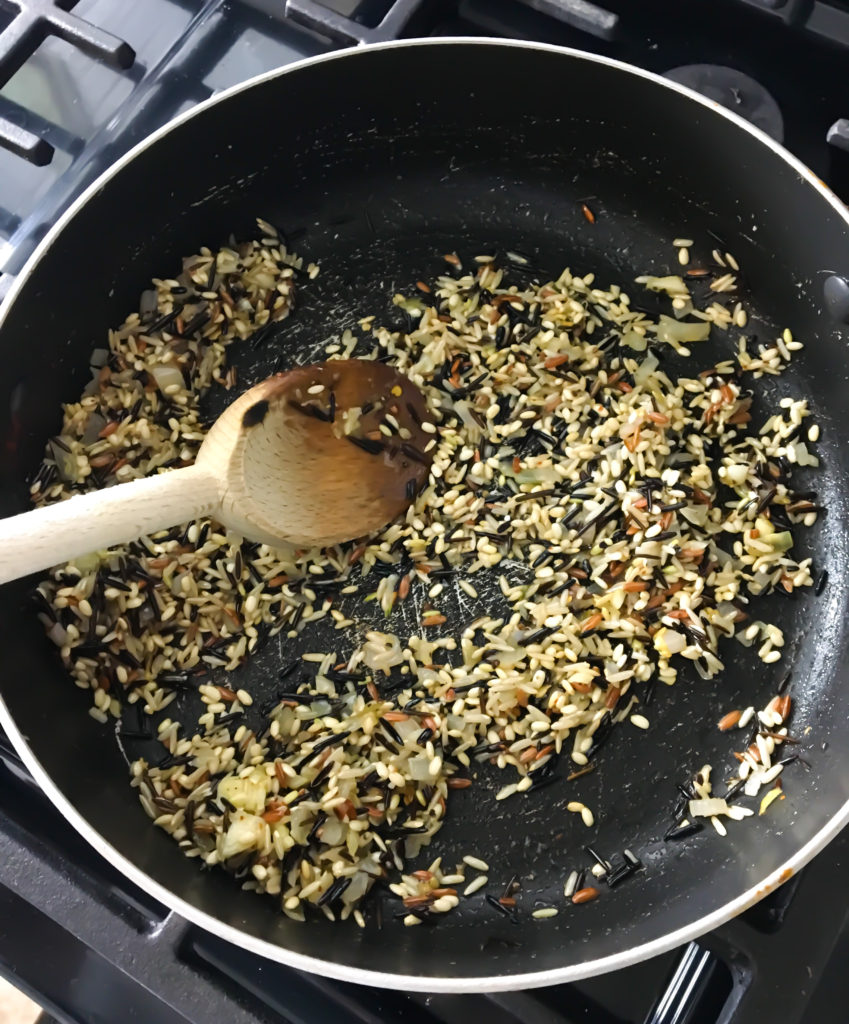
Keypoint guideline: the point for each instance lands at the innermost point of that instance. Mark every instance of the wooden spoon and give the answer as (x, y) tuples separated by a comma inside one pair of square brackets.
[(300, 459)]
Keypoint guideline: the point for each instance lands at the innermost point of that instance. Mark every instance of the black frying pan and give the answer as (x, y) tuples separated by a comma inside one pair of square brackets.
[(376, 162)]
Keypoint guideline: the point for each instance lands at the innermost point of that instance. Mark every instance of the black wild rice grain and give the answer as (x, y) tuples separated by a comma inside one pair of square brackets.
[(198, 321), (602, 733), (507, 911), (620, 873), (229, 719), (366, 444), (414, 453), (597, 857), (320, 819), (393, 732), (682, 831), (333, 893), (734, 789), (259, 337), (317, 413), (329, 741), (164, 321), (538, 635)]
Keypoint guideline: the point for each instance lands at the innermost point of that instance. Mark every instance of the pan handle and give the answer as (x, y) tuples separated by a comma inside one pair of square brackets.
[(90, 522)]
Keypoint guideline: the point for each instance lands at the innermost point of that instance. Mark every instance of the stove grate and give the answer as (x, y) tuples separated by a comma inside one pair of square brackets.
[(31, 22)]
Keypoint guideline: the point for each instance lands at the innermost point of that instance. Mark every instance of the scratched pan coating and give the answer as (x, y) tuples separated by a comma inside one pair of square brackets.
[(374, 164)]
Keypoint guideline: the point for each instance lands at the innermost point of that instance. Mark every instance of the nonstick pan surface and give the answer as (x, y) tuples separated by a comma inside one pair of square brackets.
[(375, 162)]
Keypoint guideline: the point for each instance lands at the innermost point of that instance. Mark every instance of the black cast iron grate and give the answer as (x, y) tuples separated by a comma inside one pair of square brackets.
[(342, 29), (24, 25), (580, 14), (32, 21), (592, 19), (65, 905)]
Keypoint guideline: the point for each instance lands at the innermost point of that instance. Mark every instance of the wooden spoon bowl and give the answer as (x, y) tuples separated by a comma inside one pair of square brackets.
[(312, 457), (320, 454)]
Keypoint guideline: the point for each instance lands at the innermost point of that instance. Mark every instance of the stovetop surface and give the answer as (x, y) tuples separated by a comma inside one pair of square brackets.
[(92, 947), (85, 942), (179, 52)]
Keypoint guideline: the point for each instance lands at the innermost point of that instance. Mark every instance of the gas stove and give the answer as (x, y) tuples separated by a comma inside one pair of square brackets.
[(82, 82)]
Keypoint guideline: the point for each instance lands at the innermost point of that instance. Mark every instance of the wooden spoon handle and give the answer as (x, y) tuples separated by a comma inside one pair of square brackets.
[(90, 522)]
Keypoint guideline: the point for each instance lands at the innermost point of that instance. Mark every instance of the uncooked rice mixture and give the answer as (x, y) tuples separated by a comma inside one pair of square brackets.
[(562, 452)]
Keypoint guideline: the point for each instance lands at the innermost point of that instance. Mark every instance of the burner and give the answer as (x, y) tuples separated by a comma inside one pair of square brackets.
[(734, 90)]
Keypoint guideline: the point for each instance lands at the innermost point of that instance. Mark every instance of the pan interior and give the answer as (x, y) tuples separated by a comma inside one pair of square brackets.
[(375, 182)]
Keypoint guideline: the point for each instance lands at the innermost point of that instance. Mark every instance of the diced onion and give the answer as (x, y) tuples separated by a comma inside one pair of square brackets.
[(57, 634), (246, 832), (638, 342), (674, 332), (333, 831), (66, 463), (707, 807), (166, 376), (697, 514), (672, 285), (646, 369), (248, 794), (358, 887), (382, 651), (419, 768)]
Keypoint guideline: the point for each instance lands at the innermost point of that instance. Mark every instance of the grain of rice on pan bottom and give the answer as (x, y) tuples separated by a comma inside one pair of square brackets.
[(572, 476)]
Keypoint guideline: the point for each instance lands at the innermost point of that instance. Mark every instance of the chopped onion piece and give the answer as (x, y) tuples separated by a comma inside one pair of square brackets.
[(675, 332), (246, 832), (248, 794), (646, 369), (672, 285), (708, 807), (166, 376)]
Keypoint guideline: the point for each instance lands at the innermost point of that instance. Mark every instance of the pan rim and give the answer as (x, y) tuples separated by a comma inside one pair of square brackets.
[(329, 968)]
